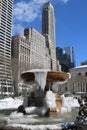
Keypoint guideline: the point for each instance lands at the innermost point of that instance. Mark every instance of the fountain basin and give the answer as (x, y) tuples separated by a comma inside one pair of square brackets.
[(52, 76)]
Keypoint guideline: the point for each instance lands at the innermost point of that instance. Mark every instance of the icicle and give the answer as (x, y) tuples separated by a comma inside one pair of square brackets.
[(40, 77)]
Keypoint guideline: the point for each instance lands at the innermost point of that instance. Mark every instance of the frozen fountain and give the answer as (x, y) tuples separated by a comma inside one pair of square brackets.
[(42, 99)]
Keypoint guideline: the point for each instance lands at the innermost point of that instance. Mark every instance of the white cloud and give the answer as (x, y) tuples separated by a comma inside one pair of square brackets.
[(63, 1), (26, 12), (17, 28), (40, 1)]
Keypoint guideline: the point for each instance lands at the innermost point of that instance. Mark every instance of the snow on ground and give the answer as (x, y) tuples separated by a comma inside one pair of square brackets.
[(68, 103), (9, 102)]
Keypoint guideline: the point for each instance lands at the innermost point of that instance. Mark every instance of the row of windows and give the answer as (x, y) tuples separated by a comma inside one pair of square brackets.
[(4, 72), (79, 87), (5, 61), (4, 47), (24, 58), (6, 27), (5, 7), (5, 36), (25, 50), (38, 48), (24, 42), (5, 18), (7, 64), (5, 40), (79, 74)]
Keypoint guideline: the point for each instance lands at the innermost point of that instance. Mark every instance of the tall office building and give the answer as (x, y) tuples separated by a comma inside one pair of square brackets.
[(20, 59), (28, 52), (48, 30), (70, 51), (64, 59), (48, 21), (39, 57), (6, 7)]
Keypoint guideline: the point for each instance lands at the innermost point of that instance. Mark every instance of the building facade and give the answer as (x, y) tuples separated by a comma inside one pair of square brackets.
[(48, 30), (28, 52), (20, 59), (6, 7), (78, 81), (39, 56), (84, 63)]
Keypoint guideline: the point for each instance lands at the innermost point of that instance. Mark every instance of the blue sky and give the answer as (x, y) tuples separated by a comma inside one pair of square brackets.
[(71, 22)]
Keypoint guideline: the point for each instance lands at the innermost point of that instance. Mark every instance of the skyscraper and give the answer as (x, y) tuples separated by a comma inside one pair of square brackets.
[(48, 22), (6, 7), (48, 30), (70, 51), (64, 59)]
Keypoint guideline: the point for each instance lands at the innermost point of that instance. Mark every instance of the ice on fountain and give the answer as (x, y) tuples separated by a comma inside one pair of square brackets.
[(40, 77), (68, 103), (15, 115), (50, 99), (41, 111), (38, 91)]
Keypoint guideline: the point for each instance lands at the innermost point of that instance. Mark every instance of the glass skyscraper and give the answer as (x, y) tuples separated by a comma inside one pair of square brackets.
[(6, 7), (70, 51)]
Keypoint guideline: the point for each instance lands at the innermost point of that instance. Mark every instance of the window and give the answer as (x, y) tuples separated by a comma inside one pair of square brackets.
[(85, 73), (79, 74)]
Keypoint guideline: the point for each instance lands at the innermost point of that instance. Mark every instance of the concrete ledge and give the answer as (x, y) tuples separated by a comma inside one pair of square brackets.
[(9, 128), (65, 126), (40, 127)]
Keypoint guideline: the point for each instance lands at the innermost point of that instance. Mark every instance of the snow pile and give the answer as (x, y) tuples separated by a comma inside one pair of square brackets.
[(50, 99), (36, 110), (7, 103), (68, 103)]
